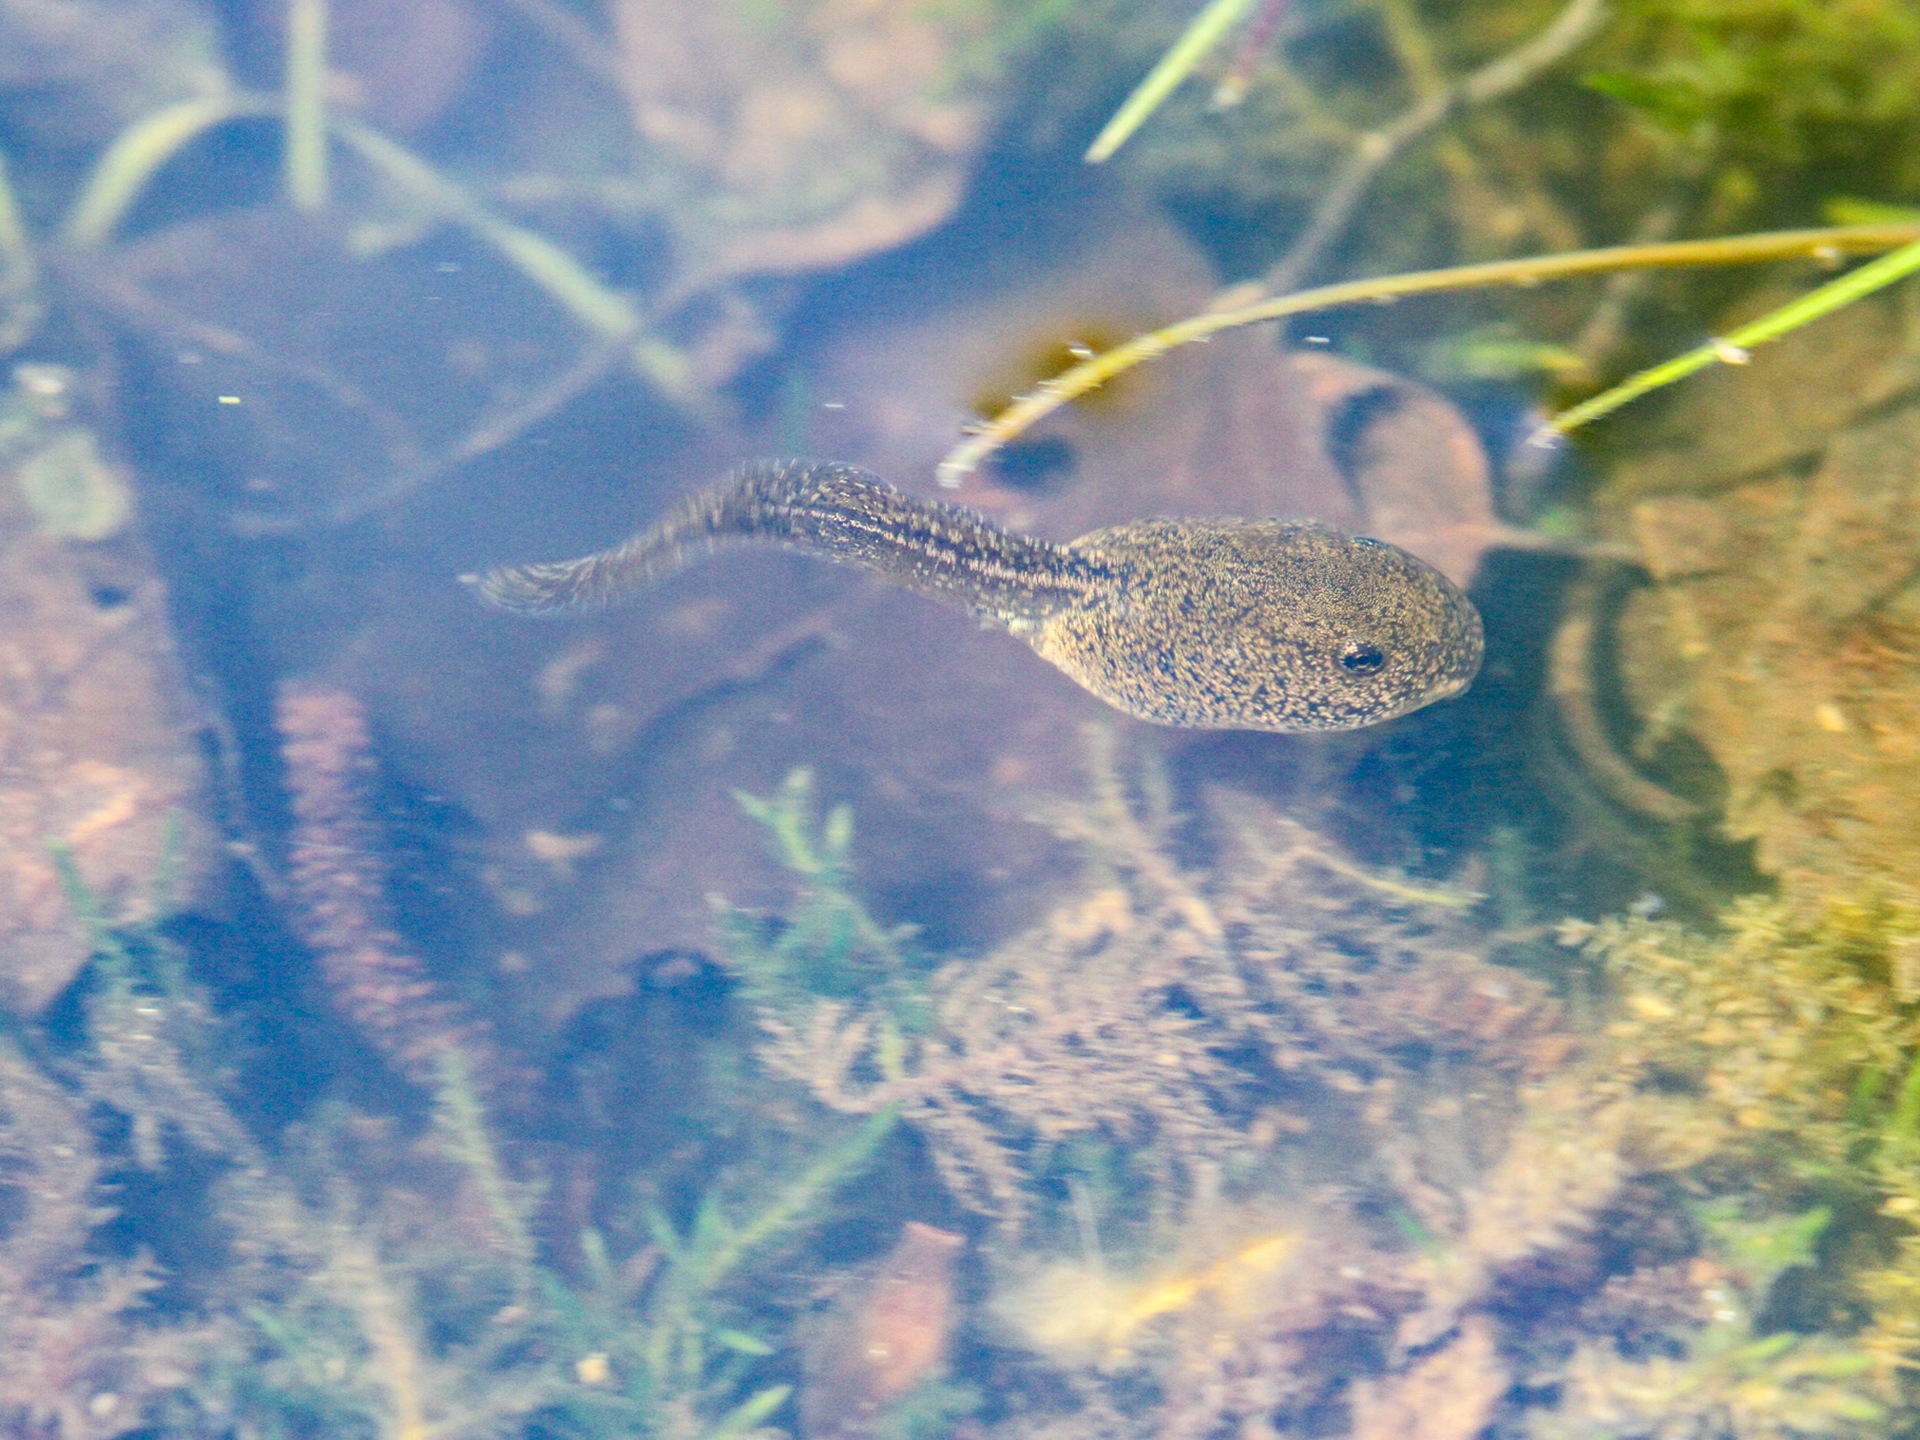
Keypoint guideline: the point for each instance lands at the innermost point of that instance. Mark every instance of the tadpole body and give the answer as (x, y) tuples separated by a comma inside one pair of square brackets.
[(1220, 624)]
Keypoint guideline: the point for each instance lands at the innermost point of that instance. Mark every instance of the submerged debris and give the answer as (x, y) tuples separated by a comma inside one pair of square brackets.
[(97, 751), (1778, 514), (885, 1336)]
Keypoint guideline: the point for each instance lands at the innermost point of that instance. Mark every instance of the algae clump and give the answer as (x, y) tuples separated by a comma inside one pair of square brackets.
[(71, 490)]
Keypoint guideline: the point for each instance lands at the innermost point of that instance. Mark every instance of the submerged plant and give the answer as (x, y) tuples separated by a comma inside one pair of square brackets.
[(1695, 1218), (347, 1277), (1751, 1068), (827, 945), (1727, 1376)]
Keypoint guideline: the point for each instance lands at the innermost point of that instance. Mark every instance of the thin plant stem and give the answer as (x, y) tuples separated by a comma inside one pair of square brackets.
[(306, 147), (1735, 347), (137, 154), (1578, 23), (1208, 29), (22, 305), (590, 51), (16, 245), (469, 1143), (1255, 41), (1822, 244), (1473, 194), (601, 309), (797, 1199), (132, 160)]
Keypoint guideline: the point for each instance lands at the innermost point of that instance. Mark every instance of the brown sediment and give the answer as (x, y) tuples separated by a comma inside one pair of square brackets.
[(1450, 1394), (1571, 681), (97, 725)]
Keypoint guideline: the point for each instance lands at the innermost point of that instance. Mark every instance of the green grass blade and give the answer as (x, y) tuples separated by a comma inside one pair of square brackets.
[(598, 307), (138, 152), (608, 313), (1209, 27), (306, 151), (1733, 348), (748, 1414)]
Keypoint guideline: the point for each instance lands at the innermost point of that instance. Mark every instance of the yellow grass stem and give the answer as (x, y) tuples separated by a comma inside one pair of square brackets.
[(1821, 244)]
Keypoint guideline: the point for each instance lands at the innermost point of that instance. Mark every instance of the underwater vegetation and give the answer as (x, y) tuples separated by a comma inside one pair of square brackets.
[(1332, 1168), (1543, 125), (1267, 1145), (96, 742), (1777, 629), (355, 1276)]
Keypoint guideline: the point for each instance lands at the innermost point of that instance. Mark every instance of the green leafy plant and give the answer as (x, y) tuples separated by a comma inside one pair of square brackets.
[(827, 945)]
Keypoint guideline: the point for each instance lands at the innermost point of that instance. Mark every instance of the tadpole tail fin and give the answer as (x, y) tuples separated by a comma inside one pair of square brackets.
[(736, 509), (603, 578)]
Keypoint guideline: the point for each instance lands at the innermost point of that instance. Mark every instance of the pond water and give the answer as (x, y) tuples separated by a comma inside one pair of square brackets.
[(781, 1002)]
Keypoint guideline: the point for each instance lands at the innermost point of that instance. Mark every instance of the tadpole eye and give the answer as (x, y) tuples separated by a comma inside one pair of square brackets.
[(1362, 659)]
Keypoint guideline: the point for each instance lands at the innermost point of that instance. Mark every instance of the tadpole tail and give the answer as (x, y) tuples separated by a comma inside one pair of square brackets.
[(744, 507), (823, 508), (602, 578)]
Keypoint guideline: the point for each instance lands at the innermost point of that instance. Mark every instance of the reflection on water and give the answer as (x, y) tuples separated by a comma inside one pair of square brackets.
[(779, 1006)]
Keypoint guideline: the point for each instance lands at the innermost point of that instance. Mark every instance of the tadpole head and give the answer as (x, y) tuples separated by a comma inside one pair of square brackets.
[(1266, 625)]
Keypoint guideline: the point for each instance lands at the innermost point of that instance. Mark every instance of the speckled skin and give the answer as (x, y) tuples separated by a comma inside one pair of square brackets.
[(1212, 624)]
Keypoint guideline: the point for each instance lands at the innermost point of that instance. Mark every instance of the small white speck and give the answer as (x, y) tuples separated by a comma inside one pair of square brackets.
[(229, 399), (593, 1369), (1079, 350), (1728, 353), (1315, 340), (833, 404)]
